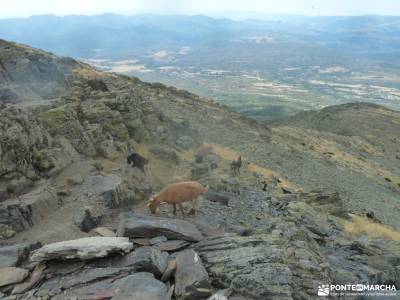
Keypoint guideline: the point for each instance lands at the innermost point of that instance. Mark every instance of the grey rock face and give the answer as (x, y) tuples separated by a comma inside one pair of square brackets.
[(84, 248), (137, 225), (250, 266), (22, 213), (191, 278)]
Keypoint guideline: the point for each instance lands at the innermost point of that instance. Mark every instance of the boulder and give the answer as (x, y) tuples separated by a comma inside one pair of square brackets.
[(191, 278), (138, 225), (84, 248), (12, 275), (111, 188), (84, 220)]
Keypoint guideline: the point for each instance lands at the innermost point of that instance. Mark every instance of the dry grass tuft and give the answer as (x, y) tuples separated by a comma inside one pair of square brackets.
[(361, 225)]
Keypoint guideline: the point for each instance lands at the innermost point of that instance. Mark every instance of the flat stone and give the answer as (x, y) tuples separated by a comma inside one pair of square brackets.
[(84, 248), (157, 240), (191, 278), (103, 231), (137, 225), (173, 245), (12, 275)]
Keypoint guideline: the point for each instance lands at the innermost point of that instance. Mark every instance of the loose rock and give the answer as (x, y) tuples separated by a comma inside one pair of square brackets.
[(191, 278)]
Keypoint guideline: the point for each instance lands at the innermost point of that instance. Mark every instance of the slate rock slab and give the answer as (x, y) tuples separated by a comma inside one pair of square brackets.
[(12, 256), (12, 275), (84, 248), (191, 278), (57, 284), (171, 246), (138, 286), (137, 225)]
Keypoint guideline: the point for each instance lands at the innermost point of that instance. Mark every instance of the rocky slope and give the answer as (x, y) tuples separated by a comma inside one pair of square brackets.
[(66, 190)]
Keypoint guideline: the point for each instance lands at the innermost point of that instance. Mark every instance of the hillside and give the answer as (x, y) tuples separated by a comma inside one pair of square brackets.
[(313, 203)]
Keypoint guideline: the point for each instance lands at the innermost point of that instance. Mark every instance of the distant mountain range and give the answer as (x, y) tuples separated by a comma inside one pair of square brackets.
[(116, 35), (267, 68)]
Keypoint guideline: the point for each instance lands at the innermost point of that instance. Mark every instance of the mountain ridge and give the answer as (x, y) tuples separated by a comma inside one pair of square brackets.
[(307, 208)]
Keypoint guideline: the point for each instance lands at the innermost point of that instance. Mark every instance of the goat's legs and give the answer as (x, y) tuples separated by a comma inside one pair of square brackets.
[(195, 205), (181, 208), (174, 212)]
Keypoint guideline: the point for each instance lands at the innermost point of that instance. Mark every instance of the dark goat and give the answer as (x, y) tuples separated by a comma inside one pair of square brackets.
[(236, 165), (137, 161)]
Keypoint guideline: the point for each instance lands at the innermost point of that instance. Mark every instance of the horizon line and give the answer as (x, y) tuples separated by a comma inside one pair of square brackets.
[(213, 15)]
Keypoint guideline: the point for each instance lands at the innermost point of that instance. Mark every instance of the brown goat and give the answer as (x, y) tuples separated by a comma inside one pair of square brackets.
[(176, 194)]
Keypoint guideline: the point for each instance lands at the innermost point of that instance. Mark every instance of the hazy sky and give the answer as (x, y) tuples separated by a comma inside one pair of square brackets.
[(23, 8)]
